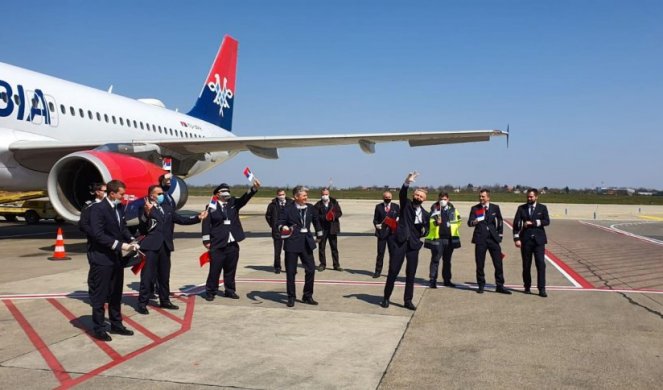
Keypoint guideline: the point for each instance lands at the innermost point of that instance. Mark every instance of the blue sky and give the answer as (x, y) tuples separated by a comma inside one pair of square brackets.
[(579, 82)]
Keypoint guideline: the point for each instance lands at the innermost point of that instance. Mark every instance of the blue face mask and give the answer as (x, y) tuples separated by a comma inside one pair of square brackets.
[(116, 201), (160, 198)]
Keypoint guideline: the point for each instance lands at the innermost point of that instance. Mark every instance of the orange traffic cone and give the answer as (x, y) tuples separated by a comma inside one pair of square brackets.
[(59, 253)]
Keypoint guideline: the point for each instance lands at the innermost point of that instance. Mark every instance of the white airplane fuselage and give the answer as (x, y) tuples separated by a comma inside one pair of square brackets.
[(37, 107)]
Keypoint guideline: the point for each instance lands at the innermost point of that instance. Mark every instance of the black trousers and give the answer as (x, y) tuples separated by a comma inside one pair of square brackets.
[(105, 283), (291, 270), (223, 259), (495, 250), (278, 248), (334, 249), (443, 251), (401, 253), (527, 249), (156, 270), (388, 243)]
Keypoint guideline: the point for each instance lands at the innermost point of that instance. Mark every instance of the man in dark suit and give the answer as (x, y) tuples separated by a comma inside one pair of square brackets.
[(222, 233), (383, 232), (157, 223), (412, 226), (486, 218), (295, 223), (274, 209), (329, 211), (530, 236), (109, 236)]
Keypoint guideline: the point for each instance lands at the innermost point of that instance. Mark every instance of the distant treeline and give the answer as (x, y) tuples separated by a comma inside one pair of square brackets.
[(498, 194)]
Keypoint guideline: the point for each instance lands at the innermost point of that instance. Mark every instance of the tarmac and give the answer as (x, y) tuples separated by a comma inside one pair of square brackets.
[(600, 327)]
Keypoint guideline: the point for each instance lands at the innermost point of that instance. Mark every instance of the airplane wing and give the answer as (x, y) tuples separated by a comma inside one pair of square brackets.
[(266, 147)]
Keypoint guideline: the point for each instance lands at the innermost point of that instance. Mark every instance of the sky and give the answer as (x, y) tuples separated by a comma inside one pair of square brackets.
[(578, 82)]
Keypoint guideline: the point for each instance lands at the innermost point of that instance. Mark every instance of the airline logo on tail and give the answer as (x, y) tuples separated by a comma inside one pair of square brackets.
[(215, 103)]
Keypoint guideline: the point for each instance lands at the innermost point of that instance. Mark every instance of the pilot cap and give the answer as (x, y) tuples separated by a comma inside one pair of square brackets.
[(224, 188)]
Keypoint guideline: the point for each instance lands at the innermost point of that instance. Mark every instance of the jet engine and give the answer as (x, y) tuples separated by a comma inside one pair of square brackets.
[(70, 178)]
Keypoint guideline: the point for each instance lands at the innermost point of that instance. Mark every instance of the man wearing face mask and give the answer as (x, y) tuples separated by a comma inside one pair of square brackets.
[(444, 224), (295, 221), (412, 226), (109, 236), (329, 211), (384, 217), (157, 223), (274, 209), (529, 235), (486, 218), (222, 232)]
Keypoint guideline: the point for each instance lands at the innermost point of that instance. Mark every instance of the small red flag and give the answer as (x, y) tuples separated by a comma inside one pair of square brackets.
[(204, 258), (392, 223), (330, 215), (503, 255), (139, 267)]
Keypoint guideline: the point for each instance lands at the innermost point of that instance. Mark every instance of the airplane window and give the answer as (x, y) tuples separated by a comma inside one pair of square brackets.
[(72, 111), (80, 111), (51, 107), (121, 121), (106, 117), (18, 102), (114, 121), (171, 131), (89, 114), (135, 124), (98, 117), (141, 126), (62, 109), (160, 130), (128, 122)]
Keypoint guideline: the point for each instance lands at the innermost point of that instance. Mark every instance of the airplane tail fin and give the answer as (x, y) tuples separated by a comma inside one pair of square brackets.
[(216, 101)]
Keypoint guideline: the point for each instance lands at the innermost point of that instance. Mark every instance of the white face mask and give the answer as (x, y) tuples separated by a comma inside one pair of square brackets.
[(444, 203), (281, 198), (325, 197)]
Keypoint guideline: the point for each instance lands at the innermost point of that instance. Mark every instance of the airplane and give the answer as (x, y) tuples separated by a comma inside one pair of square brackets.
[(61, 136)]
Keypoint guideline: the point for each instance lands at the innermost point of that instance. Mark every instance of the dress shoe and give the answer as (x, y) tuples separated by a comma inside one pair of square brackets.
[(309, 301), (449, 284), (410, 306), (384, 303), (122, 331), (480, 290), (321, 268), (432, 284), (291, 302), (142, 310), (169, 305), (376, 275), (502, 290), (103, 336), (277, 270), (209, 297), (543, 294), (231, 295), (527, 290)]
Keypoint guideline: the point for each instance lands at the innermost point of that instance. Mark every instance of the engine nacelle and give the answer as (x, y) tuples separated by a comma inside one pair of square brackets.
[(70, 178)]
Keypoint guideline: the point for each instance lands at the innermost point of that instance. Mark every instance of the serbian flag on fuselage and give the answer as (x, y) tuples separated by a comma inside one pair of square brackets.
[(480, 214), (248, 174)]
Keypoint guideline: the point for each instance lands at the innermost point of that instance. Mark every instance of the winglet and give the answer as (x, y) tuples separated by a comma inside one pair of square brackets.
[(507, 136)]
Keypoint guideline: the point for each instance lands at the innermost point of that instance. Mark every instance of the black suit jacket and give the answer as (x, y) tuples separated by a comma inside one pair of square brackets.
[(216, 231), (408, 231), (159, 227), (298, 241), (379, 216), (333, 226), (537, 232), (274, 209), (106, 234), (491, 226)]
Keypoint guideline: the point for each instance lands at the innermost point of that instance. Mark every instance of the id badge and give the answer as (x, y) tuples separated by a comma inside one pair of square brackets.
[(226, 222), (303, 230)]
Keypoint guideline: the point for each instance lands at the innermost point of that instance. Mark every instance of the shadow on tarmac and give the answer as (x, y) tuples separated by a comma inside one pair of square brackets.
[(274, 296), (370, 299)]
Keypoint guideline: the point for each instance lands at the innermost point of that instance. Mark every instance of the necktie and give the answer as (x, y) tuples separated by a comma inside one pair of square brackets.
[(117, 214), (531, 211), (387, 208)]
